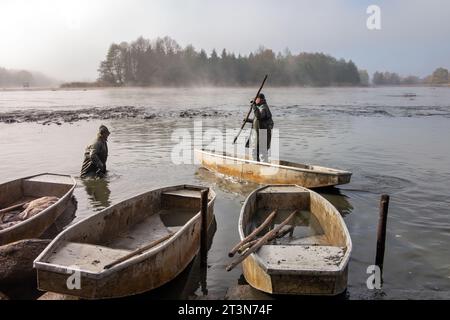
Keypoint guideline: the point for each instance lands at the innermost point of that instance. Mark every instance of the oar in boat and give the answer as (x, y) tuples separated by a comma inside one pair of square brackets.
[(138, 251), (262, 241), (252, 235), (12, 208), (279, 235)]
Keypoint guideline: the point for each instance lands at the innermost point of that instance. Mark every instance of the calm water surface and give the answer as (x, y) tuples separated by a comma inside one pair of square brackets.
[(393, 144)]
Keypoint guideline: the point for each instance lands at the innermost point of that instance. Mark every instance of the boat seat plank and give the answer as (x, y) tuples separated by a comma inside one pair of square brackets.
[(51, 178), (174, 229), (316, 240), (188, 193), (301, 257), (85, 256), (141, 234), (282, 189)]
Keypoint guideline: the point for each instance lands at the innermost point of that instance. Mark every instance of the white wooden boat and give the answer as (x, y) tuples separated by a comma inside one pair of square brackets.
[(314, 260), (274, 172), (31, 188), (101, 247)]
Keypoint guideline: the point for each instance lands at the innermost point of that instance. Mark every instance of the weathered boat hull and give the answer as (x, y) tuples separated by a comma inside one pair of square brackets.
[(299, 278), (276, 172), (140, 274), (30, 188)]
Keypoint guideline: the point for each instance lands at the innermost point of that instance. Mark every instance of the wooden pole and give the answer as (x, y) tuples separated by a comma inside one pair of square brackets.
[(204, 227), (381, 235), (12, 208), (261, 241), (252, 235), (250, 111), (138, 251), (279, 235)]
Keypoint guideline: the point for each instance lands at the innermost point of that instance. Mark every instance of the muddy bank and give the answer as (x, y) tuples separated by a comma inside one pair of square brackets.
[(16, 260), (59, 117)]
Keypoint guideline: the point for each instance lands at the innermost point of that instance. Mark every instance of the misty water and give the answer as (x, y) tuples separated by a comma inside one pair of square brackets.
[(394, 140)]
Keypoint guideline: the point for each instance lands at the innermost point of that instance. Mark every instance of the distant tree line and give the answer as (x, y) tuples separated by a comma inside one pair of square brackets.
[(22, 78), (163, 62), (439, 77)]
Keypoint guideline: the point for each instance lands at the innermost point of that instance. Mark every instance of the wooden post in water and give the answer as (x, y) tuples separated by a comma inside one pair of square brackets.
[(381, 235), (204, 228)]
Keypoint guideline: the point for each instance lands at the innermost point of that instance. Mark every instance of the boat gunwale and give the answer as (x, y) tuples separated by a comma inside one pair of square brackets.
[(224, 155), (46, 266), (342, 265), (46, 210)]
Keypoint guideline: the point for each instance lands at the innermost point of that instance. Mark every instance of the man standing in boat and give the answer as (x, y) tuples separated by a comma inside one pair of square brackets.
[(96, 154), (261, 135)]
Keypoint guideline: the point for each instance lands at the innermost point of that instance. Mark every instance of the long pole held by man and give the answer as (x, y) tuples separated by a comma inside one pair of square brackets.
[(262, 124), (250, 111)]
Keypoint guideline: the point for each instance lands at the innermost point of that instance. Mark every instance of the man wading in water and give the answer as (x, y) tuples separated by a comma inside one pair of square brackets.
[(96, 154), (261, 135)]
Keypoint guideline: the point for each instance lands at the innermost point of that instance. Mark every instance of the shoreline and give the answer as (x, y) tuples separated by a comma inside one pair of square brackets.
[(94, 88)]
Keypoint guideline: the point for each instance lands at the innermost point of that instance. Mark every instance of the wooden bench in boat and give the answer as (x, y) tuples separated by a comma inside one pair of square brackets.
[(315, 240), (188, 193), (300, 258)]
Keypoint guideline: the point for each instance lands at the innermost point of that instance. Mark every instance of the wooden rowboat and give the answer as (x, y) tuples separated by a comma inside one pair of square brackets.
[(129, 248), (31, 188), (275, 172), (314, 260)]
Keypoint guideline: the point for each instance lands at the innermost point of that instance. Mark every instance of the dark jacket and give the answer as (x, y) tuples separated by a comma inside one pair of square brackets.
[(95, 158), (263, 116), (262, 120)]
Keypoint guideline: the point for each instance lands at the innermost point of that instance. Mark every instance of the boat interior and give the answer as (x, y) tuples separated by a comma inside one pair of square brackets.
[(317, 241), (29, 189), (126, 227)]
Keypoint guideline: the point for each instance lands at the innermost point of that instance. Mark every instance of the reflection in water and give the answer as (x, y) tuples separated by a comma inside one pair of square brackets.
[(98, 192), (226, 184), (337, 199)]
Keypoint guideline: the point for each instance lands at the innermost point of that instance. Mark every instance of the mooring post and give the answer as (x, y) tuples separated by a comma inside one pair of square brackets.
[(381, 235), (204, 227)]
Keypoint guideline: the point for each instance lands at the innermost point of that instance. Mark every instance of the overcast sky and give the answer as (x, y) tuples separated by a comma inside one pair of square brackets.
[(66, 39)]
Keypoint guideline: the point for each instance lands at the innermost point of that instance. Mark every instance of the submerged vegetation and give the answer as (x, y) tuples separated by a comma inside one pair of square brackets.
[(163, 62)]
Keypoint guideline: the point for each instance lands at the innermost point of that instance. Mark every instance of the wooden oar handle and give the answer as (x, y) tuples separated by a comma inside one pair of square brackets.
[(261, 241), (138, 251), (14, 207), (279, 235), (252, 235)]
